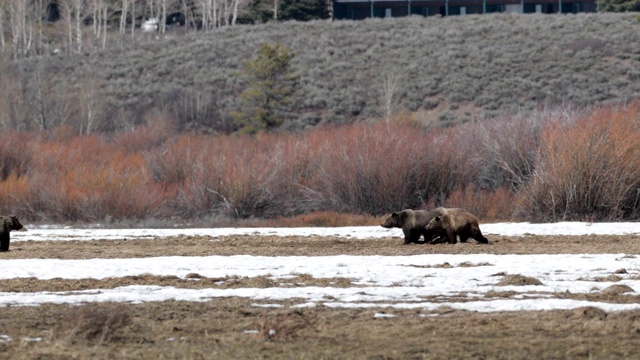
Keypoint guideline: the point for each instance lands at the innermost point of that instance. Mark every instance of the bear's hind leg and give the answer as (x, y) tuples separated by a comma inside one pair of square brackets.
[(477, 235)]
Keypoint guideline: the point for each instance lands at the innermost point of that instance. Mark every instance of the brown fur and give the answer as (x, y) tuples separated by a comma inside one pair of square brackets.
[(457, 223), (413, 222), (9, 223)]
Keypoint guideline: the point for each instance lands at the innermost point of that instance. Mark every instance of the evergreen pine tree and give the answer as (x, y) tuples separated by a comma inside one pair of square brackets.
[(268, 94)]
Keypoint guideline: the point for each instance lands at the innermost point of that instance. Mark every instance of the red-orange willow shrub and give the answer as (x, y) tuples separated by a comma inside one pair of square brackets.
[(381, 168), (588, 169), (358, 168), (84, 179), (496, 205), (237, 176), (550, 165)]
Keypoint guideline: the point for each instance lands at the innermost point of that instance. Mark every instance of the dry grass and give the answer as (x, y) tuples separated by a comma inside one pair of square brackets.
[(234, 329), (92, 325), (618, 289), (518, 280), (191, 281)]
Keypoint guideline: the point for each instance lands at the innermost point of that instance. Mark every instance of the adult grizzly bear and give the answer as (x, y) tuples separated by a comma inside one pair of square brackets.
[(457, 223), (413, 222), (9, 223)]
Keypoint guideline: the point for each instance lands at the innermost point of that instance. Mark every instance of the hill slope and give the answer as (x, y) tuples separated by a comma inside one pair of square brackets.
[(449, 69)]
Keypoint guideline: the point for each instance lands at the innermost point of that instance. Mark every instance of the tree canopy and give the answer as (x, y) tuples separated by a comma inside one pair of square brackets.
[(304, 10), (618, 5)]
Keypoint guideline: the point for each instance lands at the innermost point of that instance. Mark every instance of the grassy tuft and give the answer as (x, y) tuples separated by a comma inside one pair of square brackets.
[(93, 324)]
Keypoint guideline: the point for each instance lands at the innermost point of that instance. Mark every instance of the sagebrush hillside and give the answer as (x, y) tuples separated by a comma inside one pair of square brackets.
[(447, 70)]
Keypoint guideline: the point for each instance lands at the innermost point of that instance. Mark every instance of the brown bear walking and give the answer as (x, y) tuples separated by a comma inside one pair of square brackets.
[(9, 223), (457, 223), (413, 222)]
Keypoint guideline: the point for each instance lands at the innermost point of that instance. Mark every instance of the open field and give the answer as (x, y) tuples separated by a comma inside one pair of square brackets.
[(311, 297)]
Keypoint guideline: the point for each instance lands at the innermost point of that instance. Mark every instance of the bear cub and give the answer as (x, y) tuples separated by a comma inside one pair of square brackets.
[(457, 223)]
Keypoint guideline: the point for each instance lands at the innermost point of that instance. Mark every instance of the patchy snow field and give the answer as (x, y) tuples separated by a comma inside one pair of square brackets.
[(417, 281), (41, 233)]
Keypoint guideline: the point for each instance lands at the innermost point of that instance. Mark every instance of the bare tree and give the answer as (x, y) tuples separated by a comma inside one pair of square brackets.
[(73, 13), (123, 21), (208, 13), (162, 21), (390, 86), (188, 14), (275, 10), (67, 15), (38, 99), (234, 17), (102, 10), (133, 19), (38, 13), (3, 45), (89, 104), (22, 35), (79, 9)]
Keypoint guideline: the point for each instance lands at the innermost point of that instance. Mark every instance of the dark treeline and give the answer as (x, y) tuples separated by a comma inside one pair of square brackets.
[(432, 71), (560, 164)]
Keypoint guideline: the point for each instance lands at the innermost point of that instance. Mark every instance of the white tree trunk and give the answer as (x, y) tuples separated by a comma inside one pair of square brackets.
[(78, 12), (390, 86), (3, 45), (123, 20), (235, 11), (133, 19), (67, 15), (39, 12), (163, 18), (275, 10), (17, 15), (105, 24), (225, 13), (96, 21)]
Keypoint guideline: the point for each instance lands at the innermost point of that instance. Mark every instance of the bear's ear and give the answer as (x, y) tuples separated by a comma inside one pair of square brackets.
[(394, 215), (13, 216)]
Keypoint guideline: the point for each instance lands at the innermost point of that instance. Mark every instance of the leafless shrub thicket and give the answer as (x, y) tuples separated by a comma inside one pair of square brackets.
[(563, 163), (588, 168)]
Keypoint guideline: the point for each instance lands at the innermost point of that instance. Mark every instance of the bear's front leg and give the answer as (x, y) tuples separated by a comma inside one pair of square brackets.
[(411, 241), (452, 235), (4, 243)]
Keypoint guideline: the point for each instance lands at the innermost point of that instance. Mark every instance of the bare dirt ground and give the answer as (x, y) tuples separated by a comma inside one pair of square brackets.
[(315, 246), (233, 328)]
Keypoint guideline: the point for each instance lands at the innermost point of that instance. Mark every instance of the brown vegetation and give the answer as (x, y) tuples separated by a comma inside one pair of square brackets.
[(234, 329), (93, 325), (518, 280), (555, 165), (318, 246)]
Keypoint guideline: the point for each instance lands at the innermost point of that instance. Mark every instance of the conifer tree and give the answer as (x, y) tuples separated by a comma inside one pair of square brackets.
[(271, 84)]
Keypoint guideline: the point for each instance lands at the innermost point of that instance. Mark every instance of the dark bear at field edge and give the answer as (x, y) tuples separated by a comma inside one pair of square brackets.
[(457, 223), (9, 223), (413, 224)]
